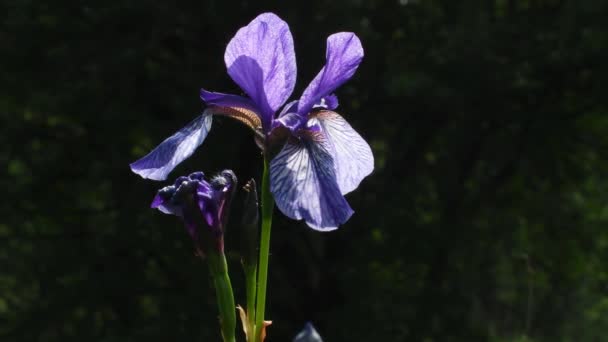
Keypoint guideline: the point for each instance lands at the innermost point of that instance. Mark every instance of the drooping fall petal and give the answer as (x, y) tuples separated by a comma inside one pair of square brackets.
[(353, 158), (165, 157), (303, 182)]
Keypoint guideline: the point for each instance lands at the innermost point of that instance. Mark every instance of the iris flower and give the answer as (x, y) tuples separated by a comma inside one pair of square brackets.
[(319, 157), (202, 205)]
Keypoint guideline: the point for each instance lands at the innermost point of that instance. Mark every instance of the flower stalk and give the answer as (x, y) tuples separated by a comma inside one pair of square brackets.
[(225, 298), (251, 273), (267, 208), (203, 206)]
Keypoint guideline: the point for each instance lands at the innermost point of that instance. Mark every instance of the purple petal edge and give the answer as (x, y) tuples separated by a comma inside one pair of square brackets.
[(261, 60), (157, 164), (343, 56)]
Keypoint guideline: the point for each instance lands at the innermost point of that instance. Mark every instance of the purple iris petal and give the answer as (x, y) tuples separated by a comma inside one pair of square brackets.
[(353, 158), (303, 182), (289, 118), (291, 107), (327, 102), (343, 56), (165, 157), (179, 180), (158, 201), (162, 202), (206, 199), (198, 175), (261, 60), (291, 121), (227, 100)]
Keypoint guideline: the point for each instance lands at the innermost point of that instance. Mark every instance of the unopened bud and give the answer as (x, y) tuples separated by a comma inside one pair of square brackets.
[(250, 223), (203, 206)]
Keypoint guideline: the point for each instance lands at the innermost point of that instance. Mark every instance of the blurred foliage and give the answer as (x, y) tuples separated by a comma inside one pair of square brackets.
[(485, 220)]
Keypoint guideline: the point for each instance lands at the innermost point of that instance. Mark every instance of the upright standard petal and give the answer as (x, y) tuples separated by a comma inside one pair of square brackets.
[(303, 182), (343, 56), (353, 158), (165, 157), (261, 60)]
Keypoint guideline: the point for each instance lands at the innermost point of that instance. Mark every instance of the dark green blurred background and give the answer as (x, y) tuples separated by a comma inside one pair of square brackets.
[(486, 218)]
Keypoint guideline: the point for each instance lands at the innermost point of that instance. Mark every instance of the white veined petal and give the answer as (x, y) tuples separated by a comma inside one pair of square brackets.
[(167, 155), (352, 155), (303, 182)]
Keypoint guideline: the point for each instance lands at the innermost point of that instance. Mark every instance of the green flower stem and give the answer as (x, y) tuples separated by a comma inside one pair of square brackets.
[(225, 297), (251, 274), (267, 207)]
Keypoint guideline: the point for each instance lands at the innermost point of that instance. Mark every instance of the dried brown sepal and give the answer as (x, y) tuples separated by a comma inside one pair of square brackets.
[(263, 332), (246, 328), (244, 321)]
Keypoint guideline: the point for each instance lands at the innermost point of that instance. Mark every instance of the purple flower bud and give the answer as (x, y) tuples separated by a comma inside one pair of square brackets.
[(202, 205)]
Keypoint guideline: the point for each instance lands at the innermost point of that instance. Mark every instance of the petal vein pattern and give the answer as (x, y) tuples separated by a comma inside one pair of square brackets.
[(303, 182), (353, 158), (261, 60), (343, 56), (167, 155)]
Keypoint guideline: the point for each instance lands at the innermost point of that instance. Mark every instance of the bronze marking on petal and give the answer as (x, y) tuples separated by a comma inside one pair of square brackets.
[(322, 114), (311, 135), (243, 115)]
